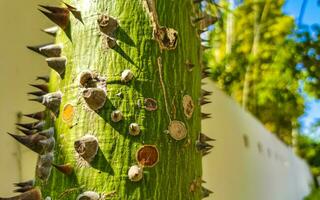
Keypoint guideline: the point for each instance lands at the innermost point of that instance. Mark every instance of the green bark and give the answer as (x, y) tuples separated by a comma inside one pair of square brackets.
[(179, 165)]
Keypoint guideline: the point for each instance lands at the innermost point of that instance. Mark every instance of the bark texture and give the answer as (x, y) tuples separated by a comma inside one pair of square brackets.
[(160, 73)]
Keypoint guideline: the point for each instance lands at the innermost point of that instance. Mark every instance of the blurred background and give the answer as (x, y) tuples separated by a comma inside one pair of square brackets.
[(265, 77)]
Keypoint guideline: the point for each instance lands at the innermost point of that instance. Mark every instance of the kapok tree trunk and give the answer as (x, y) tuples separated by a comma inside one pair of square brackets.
[(128, 74)]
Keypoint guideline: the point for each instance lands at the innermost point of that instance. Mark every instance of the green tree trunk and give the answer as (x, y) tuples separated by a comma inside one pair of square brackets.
[(133, 86)]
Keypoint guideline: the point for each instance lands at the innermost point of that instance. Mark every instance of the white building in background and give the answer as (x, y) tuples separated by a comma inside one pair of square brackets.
[(248, 162)]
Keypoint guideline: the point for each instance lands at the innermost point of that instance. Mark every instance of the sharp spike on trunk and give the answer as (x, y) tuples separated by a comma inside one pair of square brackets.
[(204, 101), (205, 115), (47, 133), (44, 78), (29, 126), (205, 74), (200, 31), (66, 169), (204, 47), (204, 153), (25, 183), (37, 99), (38, 93), (33, 142), (47, 50), (208, 20), (33, 194), (205, 138), (51, 31), (203, 146), (32, 126), (59, 18), (27, 132), (55, 9), (205, 93), (51, 50), (58, 64), (197, 19), (42, 87), (23, 189), (37, 48), (75, 12), (51, 101), (205, 192), (38, 115)]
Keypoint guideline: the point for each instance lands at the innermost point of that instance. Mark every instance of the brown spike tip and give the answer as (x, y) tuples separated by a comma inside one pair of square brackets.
[(33, 194), (66, 169)]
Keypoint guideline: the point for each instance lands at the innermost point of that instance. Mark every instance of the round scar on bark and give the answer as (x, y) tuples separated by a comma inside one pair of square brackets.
[(135, 173), (147, 155), (177, 130), (126, 75), (68, 113), (116, 116), (94, 97), (87, 147), (150, 104), (188, 106), (134, 129)]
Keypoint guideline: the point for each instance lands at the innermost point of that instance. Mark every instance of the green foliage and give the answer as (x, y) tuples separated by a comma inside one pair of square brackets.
[(309, 149), (308, 52), (259, 70), (314, 195)]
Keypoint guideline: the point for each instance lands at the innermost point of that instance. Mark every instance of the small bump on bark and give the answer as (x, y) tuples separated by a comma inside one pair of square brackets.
[(116, 116), (89, 195), (135, 173), (134, 129), (126, 75)]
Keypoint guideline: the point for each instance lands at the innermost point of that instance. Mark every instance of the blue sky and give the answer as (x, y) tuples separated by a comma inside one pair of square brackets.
[(311, 16)]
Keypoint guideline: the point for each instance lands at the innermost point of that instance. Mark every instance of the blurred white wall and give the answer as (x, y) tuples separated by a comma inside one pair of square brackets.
[(236, 172), (20, 24), (232, 171)]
